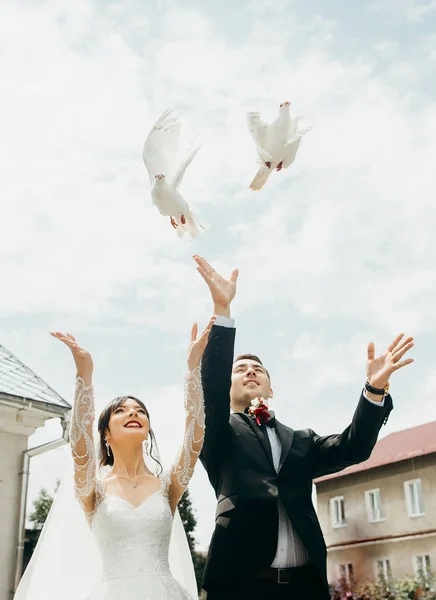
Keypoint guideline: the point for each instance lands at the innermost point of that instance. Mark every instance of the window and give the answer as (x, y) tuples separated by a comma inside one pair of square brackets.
[(383, 569), (414, 501), (422, 566), (345, 572), (337, 511), (373, 506)]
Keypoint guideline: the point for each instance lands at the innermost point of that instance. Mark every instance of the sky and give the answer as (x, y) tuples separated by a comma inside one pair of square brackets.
[(334, 252)]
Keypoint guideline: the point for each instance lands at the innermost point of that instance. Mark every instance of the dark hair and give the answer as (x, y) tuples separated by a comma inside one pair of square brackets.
[(252, 357), (103, 426)]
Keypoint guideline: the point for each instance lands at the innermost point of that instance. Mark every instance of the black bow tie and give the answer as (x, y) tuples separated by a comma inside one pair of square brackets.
[(270, 423)]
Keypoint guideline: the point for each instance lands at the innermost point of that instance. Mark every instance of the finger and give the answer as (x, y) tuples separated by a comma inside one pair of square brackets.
[(207, 329), (400, 353), (234, 276), (204, 336), (71, 336), (395, 342), (61, 337), (402, 344), (194, 331), (210, 324), (403, 363), (202, 262), (207, 278), (371, 351)]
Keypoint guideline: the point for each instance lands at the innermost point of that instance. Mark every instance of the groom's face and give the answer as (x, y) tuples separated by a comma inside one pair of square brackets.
[(249, 380)]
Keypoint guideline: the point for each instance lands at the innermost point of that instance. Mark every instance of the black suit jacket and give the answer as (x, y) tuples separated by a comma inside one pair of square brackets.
[(237, 457)]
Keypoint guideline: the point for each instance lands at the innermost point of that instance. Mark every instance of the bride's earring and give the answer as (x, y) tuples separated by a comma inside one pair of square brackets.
[(108, 449), (146, 446)]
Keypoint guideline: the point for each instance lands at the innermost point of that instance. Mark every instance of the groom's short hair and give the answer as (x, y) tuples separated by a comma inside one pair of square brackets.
[(252, 357)]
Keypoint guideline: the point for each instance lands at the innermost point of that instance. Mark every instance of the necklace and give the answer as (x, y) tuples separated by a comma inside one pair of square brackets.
[(135, 485)]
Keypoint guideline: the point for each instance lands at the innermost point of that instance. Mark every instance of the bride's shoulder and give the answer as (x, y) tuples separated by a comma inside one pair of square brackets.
[(165, 479), (101, 481)]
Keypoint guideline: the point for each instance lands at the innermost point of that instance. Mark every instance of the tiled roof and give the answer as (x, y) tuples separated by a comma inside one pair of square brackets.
[(18, 380), (398, 446)]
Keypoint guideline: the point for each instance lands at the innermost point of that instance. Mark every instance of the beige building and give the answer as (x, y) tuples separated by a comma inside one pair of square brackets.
[(380, 516), (26, 403)]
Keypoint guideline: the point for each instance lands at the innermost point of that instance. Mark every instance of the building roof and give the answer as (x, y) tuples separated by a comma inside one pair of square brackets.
[(398, 446), (18, 380)]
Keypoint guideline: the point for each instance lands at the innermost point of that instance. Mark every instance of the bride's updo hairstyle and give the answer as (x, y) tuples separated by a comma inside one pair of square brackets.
[(103, 426)]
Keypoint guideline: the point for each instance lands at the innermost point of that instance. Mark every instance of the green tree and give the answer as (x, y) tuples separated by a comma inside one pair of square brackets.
[(41, 508), (188, 519), (189, 523)]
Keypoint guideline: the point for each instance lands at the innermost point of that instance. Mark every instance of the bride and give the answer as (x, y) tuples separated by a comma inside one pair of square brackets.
[(129, 509)]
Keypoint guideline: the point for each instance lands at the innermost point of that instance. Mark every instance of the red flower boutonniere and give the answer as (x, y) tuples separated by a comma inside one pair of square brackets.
[(260, 412)]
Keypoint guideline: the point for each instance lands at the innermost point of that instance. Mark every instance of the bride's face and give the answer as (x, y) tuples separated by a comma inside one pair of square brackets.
[(128, 421)]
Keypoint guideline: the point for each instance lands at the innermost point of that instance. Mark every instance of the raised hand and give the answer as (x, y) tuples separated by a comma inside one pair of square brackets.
[(379, 370), (82, 357), (222, 290), (197, 347)]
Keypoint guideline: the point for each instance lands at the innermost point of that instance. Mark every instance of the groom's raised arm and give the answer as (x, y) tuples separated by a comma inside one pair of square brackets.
[(216, 375), (217, 363), (355, 444)]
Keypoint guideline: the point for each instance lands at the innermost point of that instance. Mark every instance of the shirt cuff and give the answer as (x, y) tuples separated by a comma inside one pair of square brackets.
[(381, 404), (224, 321)]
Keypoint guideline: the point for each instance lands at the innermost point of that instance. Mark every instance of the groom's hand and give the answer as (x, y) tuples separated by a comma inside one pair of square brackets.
[(379, 369), (222, 290)]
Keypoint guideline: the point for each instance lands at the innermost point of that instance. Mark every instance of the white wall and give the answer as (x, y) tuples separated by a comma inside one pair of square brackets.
[(16, 425), (11, 448)]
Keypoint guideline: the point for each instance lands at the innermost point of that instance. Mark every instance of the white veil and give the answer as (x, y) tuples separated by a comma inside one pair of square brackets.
[(66, 562)]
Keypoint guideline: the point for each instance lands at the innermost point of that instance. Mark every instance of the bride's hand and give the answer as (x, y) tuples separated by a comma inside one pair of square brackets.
[(197, 347), (82, 358)]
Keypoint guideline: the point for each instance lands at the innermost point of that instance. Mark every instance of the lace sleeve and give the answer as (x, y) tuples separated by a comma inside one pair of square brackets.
[(183, 467), (82, 445)]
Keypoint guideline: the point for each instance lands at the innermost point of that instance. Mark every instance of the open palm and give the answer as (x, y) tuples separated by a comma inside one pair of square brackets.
[(198, 346), (82, 357), (222, 290), (379, 369)]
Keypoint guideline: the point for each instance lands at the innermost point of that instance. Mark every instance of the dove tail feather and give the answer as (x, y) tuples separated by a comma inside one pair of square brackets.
[(192, 227), (260, 179)]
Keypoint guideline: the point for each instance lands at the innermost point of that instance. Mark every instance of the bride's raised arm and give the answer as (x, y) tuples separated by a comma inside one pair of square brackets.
[(82, 421), (183, 468)]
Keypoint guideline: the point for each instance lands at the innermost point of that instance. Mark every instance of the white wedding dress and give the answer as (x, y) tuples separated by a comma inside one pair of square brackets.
[(119, 551), (134, 544)]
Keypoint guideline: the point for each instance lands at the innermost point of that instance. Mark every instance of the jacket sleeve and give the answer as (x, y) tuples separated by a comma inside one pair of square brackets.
[(216, 375), (355, 444)]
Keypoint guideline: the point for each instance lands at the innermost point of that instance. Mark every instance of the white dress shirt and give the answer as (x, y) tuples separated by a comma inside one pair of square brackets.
[(291, 551)]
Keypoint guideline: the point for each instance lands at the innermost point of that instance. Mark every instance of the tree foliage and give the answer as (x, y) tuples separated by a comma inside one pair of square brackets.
[(41, 508), (189, 523)]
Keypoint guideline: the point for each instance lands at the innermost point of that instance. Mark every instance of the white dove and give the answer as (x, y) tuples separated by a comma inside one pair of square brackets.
[(276, 143), (159, 156)]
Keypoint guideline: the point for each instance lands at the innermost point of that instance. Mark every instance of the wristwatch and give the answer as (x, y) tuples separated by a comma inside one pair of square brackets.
[(377, 391)]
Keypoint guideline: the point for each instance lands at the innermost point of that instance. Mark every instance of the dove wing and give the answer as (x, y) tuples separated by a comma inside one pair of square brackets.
[(259, 131), (161, 145), (290, 152), (300, 125), (192, 151)]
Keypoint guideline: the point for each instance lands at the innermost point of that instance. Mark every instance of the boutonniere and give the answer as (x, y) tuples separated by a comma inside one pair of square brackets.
[(260, 412)]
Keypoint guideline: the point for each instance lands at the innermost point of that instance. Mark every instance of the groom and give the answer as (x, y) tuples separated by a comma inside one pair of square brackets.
[(267, 542)]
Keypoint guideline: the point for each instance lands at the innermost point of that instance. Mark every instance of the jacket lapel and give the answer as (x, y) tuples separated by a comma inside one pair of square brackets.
[(286, 437)]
